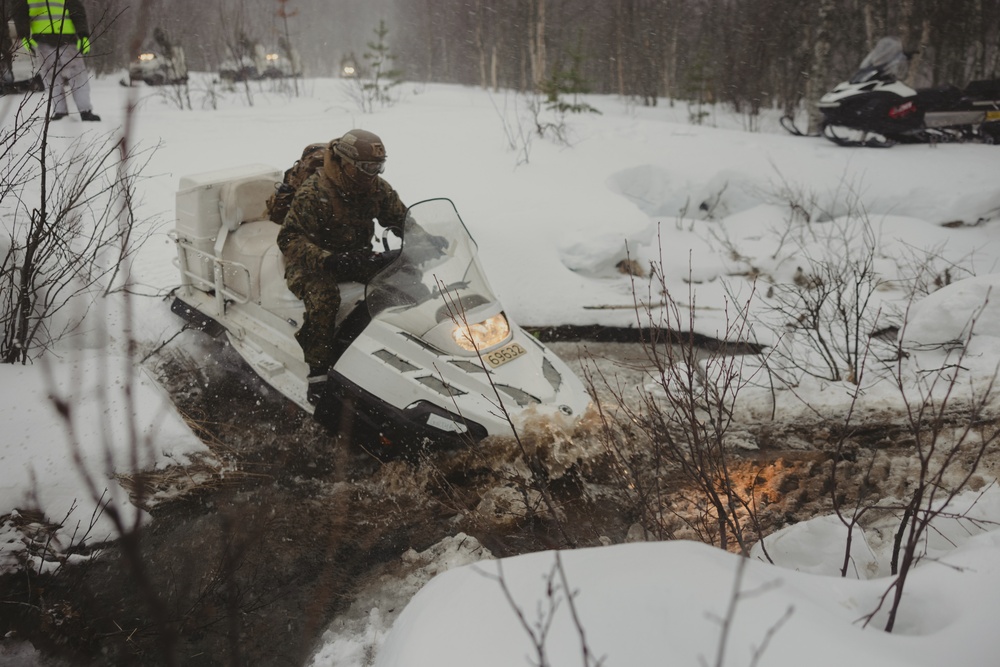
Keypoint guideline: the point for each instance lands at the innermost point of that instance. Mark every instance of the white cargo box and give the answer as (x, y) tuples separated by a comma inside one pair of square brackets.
[(204, 201)]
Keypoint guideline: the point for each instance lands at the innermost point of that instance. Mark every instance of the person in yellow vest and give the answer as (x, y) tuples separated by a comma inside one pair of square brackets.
[(57, 31)]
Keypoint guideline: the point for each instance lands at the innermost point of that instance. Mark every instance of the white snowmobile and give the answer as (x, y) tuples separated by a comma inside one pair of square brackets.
[(254, 62), (158, 68), (160, 63), (429, 353)]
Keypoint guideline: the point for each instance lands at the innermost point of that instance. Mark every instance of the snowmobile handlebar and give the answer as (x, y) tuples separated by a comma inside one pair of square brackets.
[(395, 231)]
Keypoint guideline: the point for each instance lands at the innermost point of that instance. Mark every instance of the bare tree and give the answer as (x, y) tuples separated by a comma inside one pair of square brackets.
[(817, 80), (284, 13), (949, 448), (677, 433), (71, 228), (951, 433), (537, 41), (826, 315)]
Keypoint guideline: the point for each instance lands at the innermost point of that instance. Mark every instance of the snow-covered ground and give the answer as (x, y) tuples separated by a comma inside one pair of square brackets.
[(636, 604), (714, 205)]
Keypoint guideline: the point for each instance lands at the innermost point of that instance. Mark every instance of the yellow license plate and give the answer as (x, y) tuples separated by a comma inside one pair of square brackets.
[(504, 354)]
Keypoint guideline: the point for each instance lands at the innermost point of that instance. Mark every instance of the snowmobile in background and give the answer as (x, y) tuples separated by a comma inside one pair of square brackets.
[(348, 67), (17, 70), (281, 63), (875, 108), (253, 62), (160, 63), (244, 62), (430, 347), (238, 68)]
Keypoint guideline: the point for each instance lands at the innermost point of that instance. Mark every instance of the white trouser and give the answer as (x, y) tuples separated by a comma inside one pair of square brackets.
[(67, 64)]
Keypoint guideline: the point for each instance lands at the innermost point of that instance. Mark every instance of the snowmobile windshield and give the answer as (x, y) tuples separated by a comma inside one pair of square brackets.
[(437, 276), (886, 59)]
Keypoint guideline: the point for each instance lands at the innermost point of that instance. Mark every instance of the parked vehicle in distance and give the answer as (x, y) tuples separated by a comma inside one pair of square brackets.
[(161, 63), (252, 62), (348, 67)]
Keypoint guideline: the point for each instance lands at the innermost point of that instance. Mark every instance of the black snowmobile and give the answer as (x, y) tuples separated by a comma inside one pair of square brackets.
[(875, 108)]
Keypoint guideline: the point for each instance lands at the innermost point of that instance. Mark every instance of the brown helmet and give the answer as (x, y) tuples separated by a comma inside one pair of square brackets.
[(360, 146)]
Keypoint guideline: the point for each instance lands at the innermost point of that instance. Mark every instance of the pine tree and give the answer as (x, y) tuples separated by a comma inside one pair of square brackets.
[(379, 77)]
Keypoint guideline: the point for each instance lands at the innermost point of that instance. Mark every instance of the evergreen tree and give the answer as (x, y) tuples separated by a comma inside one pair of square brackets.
[(379, 77)]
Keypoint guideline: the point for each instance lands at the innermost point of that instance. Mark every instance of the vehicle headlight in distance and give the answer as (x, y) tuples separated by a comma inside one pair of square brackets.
[(146, 57), (482, 335)]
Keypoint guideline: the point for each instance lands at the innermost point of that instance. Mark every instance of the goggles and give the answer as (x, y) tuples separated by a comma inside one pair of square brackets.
[(370, 167)]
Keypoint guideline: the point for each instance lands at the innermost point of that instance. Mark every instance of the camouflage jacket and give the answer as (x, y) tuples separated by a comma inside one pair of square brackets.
[(325, 220)]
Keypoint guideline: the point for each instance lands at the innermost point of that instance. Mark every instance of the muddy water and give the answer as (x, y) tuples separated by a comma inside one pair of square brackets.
[(250, 564)]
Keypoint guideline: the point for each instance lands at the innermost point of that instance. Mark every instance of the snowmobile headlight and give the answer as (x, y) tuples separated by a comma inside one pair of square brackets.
[(482, 335), (146, 57), (272, 56)]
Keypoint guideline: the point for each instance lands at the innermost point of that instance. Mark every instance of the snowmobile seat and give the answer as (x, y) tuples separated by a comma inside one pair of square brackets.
[(248, 242), (940, 97), (984, 89), (244, 201)]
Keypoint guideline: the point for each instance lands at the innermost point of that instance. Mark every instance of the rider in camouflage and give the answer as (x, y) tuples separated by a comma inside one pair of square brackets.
[(326, 239)]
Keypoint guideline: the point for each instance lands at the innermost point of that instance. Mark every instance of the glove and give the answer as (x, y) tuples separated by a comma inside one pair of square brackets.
[(29, 44), (424, 247), (439, 243), (83, 44), (386, 258), (358, 265), (419, 236), (375, 263)]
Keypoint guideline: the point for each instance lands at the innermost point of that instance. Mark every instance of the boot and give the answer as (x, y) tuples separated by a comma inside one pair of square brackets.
[(316, 384), (89, 116), (58, 115)]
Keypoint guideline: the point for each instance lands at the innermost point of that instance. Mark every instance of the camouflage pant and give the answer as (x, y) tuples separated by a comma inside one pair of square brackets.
[(317, 335)]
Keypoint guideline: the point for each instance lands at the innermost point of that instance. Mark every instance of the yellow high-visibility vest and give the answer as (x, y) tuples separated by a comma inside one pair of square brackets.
[(48, 17)]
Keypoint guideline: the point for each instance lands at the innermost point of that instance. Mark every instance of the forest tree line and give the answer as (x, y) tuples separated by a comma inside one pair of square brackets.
[(322, 31), (747, 53)]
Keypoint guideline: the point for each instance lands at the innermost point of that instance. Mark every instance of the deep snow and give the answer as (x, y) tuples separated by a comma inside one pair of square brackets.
[(708, 201)]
